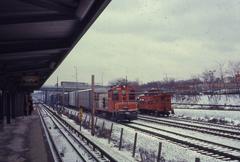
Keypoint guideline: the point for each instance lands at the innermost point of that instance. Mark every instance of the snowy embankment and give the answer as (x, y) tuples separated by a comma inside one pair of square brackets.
[(207, 99), (213, 116), (209, 113), (147, 145)]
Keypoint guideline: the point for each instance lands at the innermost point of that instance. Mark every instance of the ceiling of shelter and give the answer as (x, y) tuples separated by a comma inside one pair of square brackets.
[(36, 35)]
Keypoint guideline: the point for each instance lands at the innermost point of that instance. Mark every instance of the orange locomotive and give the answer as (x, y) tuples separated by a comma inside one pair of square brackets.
[(116, 103), (155, 102), (119, 104)]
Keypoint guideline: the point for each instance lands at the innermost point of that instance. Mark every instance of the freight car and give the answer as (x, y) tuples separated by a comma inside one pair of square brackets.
[(116, 103), (55, 99), (154, 102)]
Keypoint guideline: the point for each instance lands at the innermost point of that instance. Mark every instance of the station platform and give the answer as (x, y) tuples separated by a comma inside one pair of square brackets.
[(24, 141)]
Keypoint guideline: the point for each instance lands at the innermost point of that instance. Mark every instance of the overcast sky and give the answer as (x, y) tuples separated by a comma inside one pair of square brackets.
[(151, 39)]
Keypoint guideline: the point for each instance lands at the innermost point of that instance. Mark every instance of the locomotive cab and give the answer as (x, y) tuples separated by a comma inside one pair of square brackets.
[(122, 104)]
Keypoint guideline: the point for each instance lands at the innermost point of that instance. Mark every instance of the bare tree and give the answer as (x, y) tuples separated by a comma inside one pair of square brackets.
[(221, 71), (209, 79), (124, 81), (119, 81), (234, 70)]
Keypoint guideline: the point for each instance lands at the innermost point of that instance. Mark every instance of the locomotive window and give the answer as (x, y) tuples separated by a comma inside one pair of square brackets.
[(115, 96), (123, 92)]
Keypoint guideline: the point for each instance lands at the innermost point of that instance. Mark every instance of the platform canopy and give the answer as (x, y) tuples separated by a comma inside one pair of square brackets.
[(36, 35)]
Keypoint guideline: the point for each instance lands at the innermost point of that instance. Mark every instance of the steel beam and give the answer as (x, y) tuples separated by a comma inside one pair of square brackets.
[(54, 6), (13, 105), (1, 106), (8, 108)]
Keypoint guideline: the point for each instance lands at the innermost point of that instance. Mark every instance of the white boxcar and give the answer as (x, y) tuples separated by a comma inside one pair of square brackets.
[(72, 100), (84, 98)]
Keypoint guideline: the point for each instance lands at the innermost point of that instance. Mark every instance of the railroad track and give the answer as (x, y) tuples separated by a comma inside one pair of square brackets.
[(86, 149), (232, 134), (72, 141), (217, 150), (204, 123), (55, 153)]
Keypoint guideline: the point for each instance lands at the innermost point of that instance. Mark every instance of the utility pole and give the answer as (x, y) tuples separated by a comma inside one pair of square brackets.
[(63, 98), (126, 81), (76, 77), (127, 95), (93, 107), (102, 78)]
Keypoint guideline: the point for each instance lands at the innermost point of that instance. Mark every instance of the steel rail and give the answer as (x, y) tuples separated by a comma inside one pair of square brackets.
[(75, 139), (217, 132), (54, 149), (67, 139), (88, 141), (204, 122), (186, 143)]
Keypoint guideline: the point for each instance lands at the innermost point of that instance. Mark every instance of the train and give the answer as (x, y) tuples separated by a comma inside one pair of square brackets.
[(117, 103), (154, 102)]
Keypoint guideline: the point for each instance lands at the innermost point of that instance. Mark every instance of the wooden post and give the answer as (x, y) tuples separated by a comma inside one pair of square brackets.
[(95, 122), (197, 160), (120, 142), (80, 117), (93, 106), (103, 124), (85, 119), (80, 125), (110, 133), (63, 99), (89, 122), (159, 152), (134, 145)]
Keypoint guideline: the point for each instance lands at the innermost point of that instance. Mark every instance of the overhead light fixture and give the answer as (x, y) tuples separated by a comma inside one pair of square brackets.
[(30, 80)]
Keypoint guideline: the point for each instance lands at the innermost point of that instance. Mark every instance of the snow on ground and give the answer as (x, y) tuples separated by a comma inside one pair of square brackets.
[(147, 145), (64, 148), (208, 99), (230, 117), (201, 124), (101, 142), (194, 134), (223, 116)]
